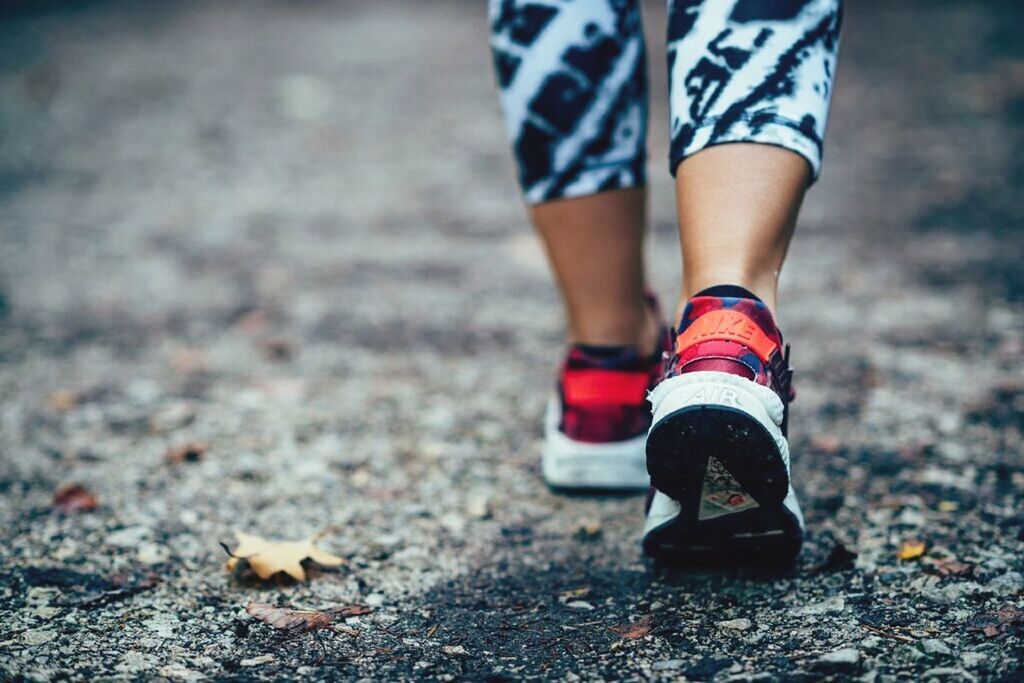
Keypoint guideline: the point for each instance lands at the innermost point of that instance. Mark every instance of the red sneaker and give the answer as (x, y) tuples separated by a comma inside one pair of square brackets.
[(596, 426), (717, 451)]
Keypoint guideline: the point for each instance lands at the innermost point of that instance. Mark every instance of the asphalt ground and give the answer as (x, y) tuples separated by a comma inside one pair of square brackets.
[(290, 231)]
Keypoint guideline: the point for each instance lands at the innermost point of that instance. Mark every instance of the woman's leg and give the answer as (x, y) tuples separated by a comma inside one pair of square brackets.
[(595, 245), (737, 209), (757, 73), (573, 90)]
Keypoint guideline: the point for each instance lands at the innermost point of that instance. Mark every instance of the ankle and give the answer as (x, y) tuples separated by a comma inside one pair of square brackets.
[(637, 327), (606, 332)]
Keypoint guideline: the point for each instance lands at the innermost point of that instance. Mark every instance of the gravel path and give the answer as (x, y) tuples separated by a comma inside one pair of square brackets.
[(288, 231)]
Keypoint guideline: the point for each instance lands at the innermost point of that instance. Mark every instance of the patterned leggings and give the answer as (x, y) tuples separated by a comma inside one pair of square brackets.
[(573, 84)]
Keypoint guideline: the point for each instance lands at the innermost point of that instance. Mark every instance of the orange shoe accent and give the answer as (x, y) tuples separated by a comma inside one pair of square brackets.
[(727, 325), (594, 388)]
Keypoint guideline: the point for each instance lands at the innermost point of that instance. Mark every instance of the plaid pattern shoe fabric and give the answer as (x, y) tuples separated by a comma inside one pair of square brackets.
[(604, 393)]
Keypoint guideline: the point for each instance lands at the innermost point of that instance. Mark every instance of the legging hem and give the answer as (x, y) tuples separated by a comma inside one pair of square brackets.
[(785, 134), (603, 178)]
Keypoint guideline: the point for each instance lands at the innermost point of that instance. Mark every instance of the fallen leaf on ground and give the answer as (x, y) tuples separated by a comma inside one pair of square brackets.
[(829, 444), (267, 557), (187, 452), (994, 623), (638, 629), (574, 594), (588, 531), (300, 620), (62, 400), (911, 549), (949, 566), (74, 498)]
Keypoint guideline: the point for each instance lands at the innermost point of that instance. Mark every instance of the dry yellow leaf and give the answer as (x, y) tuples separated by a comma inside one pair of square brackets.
[(911, 549), (62, 400), (574, 593), (266, 557)]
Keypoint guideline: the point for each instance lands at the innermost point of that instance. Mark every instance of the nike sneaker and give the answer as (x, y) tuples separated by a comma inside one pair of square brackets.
[(595, 427), (717, 451)]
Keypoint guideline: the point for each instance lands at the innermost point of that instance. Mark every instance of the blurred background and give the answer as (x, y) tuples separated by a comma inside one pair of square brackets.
[(290, 231)]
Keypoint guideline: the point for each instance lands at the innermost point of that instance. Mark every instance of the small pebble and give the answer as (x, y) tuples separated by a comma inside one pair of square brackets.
[(129, 537), (152, 553), (172, 416), (256, 661), (38, 636), (843, 659), (948, 673), (934, 646), (735, 624), (973, 658), (478, 506), (833, 605), (1009, 583)]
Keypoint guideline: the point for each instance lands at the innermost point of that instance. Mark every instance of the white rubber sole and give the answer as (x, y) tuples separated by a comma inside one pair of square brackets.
[(579, 465)]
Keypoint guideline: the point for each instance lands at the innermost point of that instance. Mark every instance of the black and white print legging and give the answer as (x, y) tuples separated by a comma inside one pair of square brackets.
[(573, 82)]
